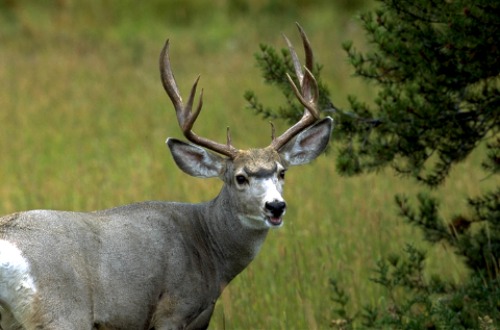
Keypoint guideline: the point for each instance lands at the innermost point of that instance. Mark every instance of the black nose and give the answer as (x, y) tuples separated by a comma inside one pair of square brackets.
[(276, 208)]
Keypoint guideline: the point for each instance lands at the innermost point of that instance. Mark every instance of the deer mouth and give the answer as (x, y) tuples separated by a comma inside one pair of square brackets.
[(274, 212), (274, 221)]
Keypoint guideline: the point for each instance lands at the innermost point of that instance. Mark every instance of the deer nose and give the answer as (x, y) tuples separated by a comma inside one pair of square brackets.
[(276, 208)]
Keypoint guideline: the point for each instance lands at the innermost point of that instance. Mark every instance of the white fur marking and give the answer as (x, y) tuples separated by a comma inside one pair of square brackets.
[(17, 288), (253, 221), (272, 191)]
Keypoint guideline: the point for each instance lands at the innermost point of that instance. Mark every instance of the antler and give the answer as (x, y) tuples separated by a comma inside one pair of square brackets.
[(185, 116), (308, 94)]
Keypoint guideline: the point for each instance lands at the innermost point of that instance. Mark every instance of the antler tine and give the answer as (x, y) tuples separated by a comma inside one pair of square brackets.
[(185, 116), (308, 94), (295, 59)]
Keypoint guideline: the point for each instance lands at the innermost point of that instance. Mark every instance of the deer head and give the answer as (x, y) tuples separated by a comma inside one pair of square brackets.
[(254, 177)]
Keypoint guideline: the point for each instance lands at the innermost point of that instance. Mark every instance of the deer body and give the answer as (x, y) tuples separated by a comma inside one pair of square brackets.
[(156, 265), (141, 260)]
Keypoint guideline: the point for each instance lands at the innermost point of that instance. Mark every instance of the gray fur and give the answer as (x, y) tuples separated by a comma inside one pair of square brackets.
[(148, 265)]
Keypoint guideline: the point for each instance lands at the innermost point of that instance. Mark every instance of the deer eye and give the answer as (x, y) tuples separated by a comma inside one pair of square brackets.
[(281, 174), (241, 179)]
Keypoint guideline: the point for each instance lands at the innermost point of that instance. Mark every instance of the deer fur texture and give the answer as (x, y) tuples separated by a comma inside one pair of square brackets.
[(153, 265)]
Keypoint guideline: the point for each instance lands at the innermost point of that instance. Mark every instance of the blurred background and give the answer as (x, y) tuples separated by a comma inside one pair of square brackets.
[(83, 120)]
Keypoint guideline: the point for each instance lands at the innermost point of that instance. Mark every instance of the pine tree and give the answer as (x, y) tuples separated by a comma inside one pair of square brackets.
[(436, 65)]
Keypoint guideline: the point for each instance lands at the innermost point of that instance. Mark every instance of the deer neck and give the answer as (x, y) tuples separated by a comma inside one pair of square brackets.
[(234, 245)]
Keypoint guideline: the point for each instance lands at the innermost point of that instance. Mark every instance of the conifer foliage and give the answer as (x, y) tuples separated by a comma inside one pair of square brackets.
[(435, 65)]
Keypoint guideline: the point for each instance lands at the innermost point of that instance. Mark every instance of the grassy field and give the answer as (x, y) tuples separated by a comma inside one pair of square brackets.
[(83, 120)]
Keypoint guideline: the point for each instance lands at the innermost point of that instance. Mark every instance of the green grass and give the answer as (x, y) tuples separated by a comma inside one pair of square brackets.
[(83, 120)]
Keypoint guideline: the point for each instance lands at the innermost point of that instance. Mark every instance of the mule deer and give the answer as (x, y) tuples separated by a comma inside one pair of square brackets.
[(157, 265)]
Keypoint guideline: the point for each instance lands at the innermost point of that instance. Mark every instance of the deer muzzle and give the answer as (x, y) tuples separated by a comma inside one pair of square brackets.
[(276, 210)]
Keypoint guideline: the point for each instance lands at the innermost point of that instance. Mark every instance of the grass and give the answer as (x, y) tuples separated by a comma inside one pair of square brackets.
[(83, 120)]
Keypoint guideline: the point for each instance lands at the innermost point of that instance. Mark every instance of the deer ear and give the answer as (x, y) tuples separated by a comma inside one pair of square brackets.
[(195, 160), (308, 144)]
